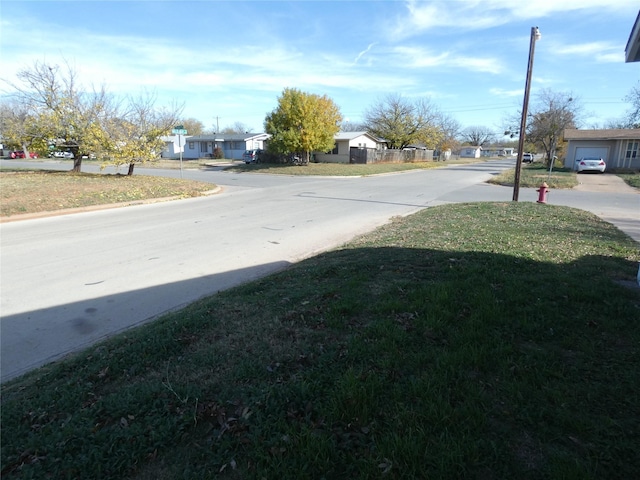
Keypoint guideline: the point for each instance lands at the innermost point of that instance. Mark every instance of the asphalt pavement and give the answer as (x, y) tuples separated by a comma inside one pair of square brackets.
[(72, 280)]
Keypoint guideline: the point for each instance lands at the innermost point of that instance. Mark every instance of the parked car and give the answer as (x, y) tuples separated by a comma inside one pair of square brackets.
[(527, 157), (20, 154), (251, 156), (590, 164), (62, 155)]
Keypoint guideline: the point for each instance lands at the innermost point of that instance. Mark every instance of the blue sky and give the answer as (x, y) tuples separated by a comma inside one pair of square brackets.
[(228, 61)]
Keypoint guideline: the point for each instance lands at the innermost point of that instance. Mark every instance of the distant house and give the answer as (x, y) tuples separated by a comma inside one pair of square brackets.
[(619, 148), (498, 152), (471, 152), (233, 145), (344, 142)]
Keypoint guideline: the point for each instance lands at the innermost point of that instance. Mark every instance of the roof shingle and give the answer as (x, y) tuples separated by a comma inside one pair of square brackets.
[(607, 134)]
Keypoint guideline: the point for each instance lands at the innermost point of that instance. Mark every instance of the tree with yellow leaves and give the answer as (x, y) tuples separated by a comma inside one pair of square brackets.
[(54, 109), (135, 134), (302, 123)]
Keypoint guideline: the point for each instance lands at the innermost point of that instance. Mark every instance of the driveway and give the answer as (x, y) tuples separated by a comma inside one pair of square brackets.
[(602, 183)]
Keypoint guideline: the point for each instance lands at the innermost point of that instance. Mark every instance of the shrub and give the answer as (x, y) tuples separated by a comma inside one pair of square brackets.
[(218, 153)]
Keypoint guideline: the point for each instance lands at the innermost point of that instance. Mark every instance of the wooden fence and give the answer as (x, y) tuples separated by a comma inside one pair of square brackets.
[(373, 155)]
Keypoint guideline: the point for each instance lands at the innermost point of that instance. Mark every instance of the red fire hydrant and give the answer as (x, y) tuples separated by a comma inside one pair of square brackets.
[(542, 192)]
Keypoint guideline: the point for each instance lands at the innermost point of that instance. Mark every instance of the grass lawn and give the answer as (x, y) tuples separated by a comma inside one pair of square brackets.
[(23, 191), (489, 340), (632, 179), (532, 175)]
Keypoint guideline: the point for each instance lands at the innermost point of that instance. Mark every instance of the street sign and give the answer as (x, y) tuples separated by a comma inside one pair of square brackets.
[(179, 131)]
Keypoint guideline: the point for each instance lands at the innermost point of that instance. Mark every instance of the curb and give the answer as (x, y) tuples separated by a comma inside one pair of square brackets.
[(93, 208)]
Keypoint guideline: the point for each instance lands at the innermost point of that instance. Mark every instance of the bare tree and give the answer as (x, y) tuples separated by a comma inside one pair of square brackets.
[(402, 122), (551, 113), (478, 135), (348, 126), (633, 116), (237, 127), (550, 116)]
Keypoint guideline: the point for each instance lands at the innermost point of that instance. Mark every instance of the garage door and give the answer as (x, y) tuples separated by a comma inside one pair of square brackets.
[(598, 152)]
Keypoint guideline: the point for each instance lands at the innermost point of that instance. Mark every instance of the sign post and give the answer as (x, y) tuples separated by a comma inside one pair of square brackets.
[(179, 130)]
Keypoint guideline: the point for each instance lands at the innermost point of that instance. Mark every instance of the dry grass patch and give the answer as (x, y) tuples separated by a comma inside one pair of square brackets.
[(42, 191)]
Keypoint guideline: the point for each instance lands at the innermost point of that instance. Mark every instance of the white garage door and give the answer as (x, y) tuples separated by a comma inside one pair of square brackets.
[(598, 152)]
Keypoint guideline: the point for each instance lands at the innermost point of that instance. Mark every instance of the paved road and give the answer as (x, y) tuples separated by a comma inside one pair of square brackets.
[(69, 281)]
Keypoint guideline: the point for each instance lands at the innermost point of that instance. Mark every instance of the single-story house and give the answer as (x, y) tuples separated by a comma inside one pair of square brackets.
[(498, 152), (233, 145), (632, 50), (344, 142), (173, 145), (619, 148), (470, 152)]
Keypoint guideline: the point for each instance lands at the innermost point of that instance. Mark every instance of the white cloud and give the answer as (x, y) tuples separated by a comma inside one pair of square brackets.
[(417, 57), (500, 92), (602, 52), (365, 51), (422, 16)]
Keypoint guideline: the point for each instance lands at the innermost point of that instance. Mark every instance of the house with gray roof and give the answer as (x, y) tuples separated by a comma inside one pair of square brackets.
[(619, 148), (233, 145)]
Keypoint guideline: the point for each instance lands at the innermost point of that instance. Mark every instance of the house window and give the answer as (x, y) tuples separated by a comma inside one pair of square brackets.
[(203, 147), (191, 145), (335, 149), (632, 150)]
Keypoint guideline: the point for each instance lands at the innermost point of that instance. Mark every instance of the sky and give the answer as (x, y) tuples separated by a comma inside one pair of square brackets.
[(229, 61)]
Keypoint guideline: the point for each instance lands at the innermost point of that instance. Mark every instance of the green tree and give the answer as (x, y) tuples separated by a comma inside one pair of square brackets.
[(449, 131), (302, 122), (134, 136), (19, 129), (54, 108), (192, 126), (402, 122)]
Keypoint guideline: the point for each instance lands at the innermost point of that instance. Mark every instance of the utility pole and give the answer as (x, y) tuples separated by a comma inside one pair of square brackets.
[(535, 35)]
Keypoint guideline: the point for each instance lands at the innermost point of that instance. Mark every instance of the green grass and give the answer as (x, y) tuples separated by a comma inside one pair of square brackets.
[(632, 179), (466, 341), (534, 174)]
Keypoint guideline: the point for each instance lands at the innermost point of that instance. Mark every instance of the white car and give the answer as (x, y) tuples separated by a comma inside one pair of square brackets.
[(590, 164), (527, 157), (63, 155)]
